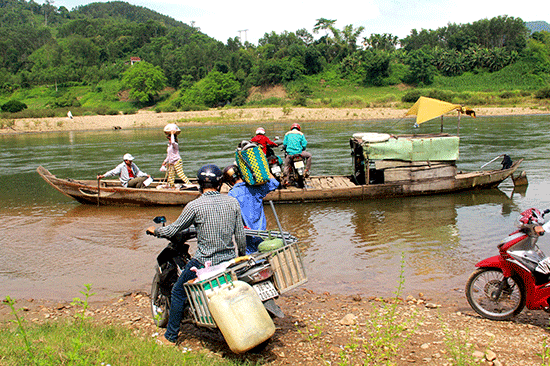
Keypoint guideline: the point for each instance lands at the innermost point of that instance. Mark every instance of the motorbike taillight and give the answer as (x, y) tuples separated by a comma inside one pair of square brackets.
[(262, 275)]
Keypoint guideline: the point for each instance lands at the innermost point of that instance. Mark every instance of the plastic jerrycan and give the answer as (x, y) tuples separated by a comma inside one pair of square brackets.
[(240, 316)]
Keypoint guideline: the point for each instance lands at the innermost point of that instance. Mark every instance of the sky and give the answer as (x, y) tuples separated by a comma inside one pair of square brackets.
[(250, 20)]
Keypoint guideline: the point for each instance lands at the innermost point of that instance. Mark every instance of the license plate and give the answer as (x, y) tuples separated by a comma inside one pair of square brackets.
[(266, 290), (275, 169), (298, 164)]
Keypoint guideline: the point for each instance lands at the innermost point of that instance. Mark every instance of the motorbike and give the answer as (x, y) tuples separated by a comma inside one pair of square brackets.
[(297, 169), (518, 276), (253, 269), (275, 164)]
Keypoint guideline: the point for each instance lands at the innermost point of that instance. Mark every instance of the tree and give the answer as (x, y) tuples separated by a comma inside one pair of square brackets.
[(381, 42), (421, 68), (215, 89), (144, 80), (377, 67)]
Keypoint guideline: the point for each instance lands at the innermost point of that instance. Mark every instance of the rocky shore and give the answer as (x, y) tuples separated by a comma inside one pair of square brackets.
[(324, 329), (151, 119)]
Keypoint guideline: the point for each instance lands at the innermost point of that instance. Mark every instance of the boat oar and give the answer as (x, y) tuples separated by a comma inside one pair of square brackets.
[(484, 165), (98, 189)]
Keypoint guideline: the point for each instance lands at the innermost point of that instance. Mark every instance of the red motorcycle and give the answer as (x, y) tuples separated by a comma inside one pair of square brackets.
[(519, 276)]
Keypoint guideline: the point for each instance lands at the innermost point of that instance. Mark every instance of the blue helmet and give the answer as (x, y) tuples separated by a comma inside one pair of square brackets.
[(209, 175)]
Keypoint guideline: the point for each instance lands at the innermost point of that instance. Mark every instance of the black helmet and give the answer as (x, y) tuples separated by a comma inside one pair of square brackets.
[(231, 174), (209, 176)]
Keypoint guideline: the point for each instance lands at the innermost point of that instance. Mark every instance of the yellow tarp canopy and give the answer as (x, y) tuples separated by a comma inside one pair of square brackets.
[(426, 109)]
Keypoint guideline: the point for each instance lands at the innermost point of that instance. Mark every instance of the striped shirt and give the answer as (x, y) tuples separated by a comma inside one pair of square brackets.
[(217, 218)]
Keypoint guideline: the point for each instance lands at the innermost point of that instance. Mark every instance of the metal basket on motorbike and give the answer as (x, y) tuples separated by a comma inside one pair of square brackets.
[(288, 267), (197, 293)]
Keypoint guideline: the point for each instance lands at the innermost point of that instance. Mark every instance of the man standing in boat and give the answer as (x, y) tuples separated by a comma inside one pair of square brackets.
[(128, 172), (295, 144)]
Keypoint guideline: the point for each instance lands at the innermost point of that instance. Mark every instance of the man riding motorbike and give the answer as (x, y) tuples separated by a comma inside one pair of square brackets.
[(295, 144), (216, 218)]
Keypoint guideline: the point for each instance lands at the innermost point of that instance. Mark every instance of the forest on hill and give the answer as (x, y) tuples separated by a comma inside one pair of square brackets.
[(87, 59)]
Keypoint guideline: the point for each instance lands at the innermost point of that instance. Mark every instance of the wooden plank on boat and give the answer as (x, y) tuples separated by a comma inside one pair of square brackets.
[(325, 183), (419, 173), (389, 164)]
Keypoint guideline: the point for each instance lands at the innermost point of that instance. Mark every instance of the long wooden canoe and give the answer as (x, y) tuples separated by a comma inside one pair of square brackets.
[(318, 188)]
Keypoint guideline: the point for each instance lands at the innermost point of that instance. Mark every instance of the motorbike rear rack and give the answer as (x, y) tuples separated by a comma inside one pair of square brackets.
[(288, 267), (198, 300), (288, 272)]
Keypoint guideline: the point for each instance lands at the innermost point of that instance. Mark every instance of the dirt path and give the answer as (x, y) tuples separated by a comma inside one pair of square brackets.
[(324, 329), (150, 119)]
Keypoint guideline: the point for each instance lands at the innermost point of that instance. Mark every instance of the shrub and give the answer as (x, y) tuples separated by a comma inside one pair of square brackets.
[(13, 106), (444, 95), (507, 94), (543, 93), (411, 96)]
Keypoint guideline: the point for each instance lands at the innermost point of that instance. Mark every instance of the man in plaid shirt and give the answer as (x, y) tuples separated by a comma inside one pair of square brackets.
[(217, 218)]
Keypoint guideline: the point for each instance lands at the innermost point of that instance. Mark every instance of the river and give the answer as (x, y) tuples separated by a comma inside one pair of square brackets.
[(51, 245)]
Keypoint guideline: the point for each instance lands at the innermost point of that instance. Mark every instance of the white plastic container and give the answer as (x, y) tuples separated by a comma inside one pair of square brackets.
[(240, 316)]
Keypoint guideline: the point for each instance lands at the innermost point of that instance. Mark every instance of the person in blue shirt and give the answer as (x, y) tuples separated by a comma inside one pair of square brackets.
[(251, 201), (295, 143)]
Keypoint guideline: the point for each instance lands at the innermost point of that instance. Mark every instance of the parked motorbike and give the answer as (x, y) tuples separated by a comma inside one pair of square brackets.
[(519, 276), (254, 270), (275, 164)]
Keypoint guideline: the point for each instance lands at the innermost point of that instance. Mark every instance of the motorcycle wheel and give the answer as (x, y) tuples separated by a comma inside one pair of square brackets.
[(481, 287), (160, 304), (300, 181)]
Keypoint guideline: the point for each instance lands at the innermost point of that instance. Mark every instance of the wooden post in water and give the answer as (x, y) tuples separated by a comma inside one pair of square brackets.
[(458, 124), (98, 190)]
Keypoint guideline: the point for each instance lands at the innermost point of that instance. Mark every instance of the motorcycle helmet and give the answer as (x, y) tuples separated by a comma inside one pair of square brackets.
[(209, 176), (260, 131), (296, 126), (231, 174)]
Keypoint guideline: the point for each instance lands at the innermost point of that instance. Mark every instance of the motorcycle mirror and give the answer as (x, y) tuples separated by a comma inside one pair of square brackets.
[(546, 211), (159, 220)]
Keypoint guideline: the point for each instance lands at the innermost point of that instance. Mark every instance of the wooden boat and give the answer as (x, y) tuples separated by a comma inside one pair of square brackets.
[(384, 166), (110, 192)]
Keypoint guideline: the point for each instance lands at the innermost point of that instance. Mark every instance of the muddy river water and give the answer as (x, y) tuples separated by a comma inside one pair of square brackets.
[(50, 245)]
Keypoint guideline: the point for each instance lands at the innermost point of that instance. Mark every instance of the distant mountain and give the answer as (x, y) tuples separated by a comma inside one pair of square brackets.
[(538, 26)]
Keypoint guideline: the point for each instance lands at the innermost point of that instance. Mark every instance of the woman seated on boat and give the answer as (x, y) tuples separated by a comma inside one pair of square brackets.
[(128, 172)]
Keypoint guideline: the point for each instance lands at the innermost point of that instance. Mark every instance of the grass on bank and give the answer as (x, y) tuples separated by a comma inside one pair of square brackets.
[(79, 341)]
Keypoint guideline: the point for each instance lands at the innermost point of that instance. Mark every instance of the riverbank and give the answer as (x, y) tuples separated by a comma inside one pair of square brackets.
[(322, 329), (151, 119)]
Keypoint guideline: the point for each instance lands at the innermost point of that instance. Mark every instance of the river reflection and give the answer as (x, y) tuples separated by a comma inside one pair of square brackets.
[(51, 246)]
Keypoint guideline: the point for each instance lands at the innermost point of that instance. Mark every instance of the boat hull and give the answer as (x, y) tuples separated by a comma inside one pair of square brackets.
[(318, 188)]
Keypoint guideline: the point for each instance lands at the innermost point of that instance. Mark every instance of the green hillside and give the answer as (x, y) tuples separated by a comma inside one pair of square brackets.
[(53, 59)]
